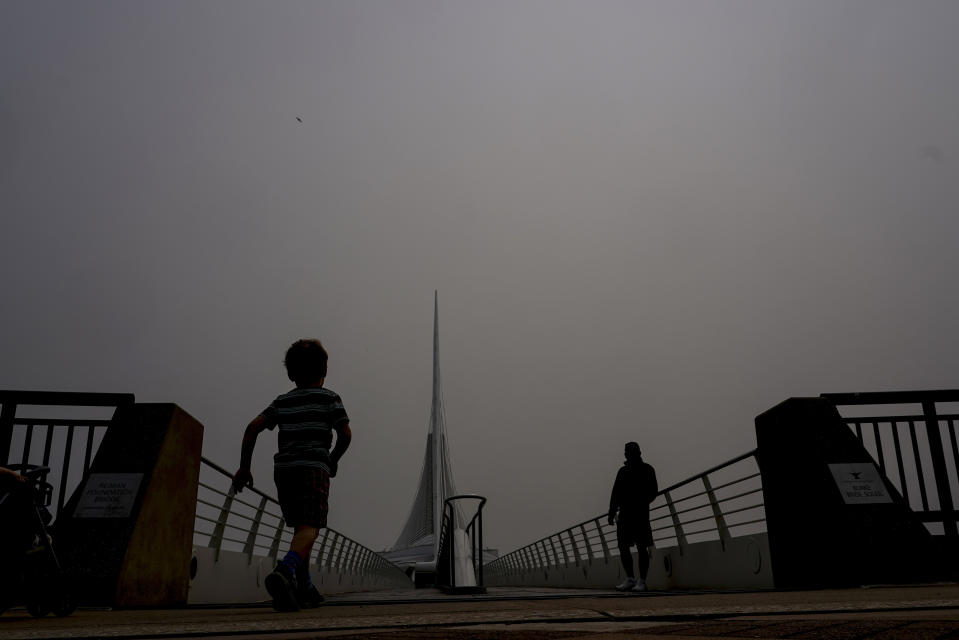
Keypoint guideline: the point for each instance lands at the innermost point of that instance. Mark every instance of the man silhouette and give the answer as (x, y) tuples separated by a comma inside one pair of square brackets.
[(635, 487)]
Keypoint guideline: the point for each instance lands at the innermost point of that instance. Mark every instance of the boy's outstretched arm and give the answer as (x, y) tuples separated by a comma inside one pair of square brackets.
[(243, 476), (343, 438)]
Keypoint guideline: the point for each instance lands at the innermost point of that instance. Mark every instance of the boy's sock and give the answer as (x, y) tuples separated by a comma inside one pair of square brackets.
[(291, 561)]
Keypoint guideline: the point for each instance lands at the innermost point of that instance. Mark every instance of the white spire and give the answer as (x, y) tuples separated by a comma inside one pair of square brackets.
[(436, 479)]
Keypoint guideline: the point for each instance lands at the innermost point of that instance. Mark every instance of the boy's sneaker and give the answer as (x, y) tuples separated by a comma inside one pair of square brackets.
[(640, 585), (281, 585), (309, 597), (627, 585)]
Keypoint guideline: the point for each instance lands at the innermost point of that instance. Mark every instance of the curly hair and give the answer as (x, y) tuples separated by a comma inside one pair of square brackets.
[(305, 361)]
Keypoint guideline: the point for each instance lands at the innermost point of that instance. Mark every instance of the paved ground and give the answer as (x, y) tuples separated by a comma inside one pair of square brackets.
[(929, 611)]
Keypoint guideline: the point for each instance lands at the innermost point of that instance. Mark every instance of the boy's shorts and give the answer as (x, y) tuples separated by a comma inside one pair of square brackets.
[(303, 494)]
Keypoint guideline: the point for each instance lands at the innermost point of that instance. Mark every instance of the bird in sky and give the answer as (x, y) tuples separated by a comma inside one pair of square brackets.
[(299, 119)]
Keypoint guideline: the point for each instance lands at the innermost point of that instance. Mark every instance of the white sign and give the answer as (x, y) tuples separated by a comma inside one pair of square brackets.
[(108, 495), (860, 483)]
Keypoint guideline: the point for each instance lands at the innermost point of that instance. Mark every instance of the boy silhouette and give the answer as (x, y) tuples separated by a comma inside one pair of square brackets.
[(307, 417)]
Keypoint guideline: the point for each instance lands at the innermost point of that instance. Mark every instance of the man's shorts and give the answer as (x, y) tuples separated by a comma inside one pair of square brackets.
[(634, 531), (303, 494)]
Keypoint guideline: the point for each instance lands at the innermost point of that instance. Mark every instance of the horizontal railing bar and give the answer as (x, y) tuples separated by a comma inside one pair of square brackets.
[(218, 492), (715, 489), (247, 504), (209, 504), (732, 482), (716, 503), (230, 475), (694, 508), (66, 398), (236, 500), (240, 515), (59, 422), (743, 524), (892, 397), (738, 495), (740, 510), (689, 497), (233, 526), (896, 419), (728, 463)]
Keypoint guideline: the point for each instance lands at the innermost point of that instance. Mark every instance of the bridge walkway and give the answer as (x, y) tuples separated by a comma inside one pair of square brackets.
[(924, 611)]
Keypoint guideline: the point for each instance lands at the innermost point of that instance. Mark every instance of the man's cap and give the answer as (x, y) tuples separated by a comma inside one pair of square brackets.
[(632, 448)]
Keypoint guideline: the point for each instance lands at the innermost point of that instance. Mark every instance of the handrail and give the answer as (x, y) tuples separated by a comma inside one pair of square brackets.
[(10, 400), (672, 488), (929, 439), (893, 397), (553, 550), (66, 398), (334, 551)]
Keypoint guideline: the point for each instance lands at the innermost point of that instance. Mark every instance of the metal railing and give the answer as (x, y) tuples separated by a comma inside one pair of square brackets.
[(910, 449), (65, 444), (446, 562), (720, 503), (253, 524)]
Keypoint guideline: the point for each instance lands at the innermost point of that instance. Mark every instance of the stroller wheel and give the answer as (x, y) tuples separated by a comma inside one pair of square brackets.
[(64, 606), (38, 609)]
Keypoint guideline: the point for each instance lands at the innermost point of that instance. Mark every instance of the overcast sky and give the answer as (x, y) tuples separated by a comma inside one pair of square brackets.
[(646, 221)]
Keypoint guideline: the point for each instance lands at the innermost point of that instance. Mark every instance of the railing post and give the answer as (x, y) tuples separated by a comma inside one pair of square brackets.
[(602, 538), (275, 547), (939, 466), (589, 547), (545, 552), (480, 543), (341, 556), (329, 553), (717, 513), (7, 413), (530, 564), (216, 539), (677, 525), (354, 556), (555, 553), (572, 540), (251, 538), (322, 546), (346, 556)]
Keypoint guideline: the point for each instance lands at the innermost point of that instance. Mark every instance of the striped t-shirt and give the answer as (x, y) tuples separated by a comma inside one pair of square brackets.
[(306, 418)]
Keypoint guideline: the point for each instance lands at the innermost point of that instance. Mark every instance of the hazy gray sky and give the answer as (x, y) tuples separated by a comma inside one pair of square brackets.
[(646, 220)]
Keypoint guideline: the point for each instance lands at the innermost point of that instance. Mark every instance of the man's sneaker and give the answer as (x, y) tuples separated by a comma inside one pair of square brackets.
[(640, 585), (281, 584), (627, 585), (309, 597)]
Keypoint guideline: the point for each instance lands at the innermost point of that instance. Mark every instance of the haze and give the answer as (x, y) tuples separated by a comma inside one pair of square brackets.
[(646, 221)]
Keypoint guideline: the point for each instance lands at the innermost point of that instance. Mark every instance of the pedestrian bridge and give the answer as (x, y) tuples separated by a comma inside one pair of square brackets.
[(833, 484)]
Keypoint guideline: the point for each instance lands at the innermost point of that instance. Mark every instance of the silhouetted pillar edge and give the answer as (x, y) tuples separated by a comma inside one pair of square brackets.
[(141, 558), (816, 539)]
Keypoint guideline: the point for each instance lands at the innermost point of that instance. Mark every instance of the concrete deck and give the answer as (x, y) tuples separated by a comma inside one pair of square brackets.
[(926, 611)]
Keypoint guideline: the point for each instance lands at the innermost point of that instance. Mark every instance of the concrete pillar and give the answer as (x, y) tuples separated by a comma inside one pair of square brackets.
[(126, 534), (821, 533)]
